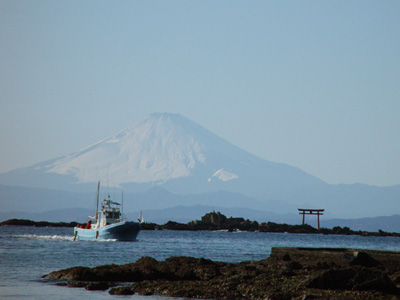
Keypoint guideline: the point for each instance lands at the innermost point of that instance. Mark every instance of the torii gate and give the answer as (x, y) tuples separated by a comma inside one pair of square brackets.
[(317, 212)]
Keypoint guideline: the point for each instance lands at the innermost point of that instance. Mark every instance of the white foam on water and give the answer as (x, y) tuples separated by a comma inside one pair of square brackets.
[(57, 238), (45, 237)]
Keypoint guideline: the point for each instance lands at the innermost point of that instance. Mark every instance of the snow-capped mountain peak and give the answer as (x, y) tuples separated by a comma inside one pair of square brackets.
[(159, 148)]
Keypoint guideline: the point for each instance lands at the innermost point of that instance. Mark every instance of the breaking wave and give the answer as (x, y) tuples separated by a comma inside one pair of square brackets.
[(45, 237), (56, 238)]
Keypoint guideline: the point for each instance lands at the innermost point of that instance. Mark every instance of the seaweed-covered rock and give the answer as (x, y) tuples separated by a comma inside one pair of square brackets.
[(354, 278), (75, 273), (121, 290), (146, 268)]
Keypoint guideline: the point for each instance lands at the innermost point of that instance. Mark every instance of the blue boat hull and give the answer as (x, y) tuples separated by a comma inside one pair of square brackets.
[(123, 231)]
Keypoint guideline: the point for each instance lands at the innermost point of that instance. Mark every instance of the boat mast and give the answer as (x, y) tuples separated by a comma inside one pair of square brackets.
[(122, 205), (97, 200)]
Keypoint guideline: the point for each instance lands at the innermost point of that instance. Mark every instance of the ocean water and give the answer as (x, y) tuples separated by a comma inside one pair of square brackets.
[(28, 253)]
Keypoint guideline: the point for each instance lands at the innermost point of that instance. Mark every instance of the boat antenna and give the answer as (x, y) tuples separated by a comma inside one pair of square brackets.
[(97, 200), (108, 191)]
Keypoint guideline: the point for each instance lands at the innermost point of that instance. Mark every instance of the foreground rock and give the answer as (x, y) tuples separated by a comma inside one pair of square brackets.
[(289, 273)]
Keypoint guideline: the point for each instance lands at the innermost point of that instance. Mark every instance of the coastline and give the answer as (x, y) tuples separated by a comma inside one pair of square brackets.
[(24, 222), (216, 221)]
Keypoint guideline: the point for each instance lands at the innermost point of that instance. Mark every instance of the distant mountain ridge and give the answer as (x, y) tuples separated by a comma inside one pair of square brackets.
[(167, 160)]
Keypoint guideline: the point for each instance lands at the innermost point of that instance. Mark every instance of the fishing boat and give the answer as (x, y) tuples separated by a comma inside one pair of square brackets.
[(107, 224)]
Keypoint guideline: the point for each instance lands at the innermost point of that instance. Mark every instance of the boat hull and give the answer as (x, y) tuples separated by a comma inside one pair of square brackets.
[(122, 231)]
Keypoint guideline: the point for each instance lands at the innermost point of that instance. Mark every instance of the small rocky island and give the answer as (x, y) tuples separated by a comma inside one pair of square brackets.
[(289, 273), (217, 221)]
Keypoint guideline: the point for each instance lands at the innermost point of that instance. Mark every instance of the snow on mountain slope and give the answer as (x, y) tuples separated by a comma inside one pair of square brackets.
[(223, 175), (157, 149)]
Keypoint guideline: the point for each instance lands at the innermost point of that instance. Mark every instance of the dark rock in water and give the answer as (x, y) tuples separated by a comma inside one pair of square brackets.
[(97, 286), (122, 290), (75, 284), (75, 273), (308, 274)]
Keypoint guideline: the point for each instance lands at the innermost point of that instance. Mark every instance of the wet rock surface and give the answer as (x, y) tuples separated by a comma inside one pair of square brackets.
[(289, 273)]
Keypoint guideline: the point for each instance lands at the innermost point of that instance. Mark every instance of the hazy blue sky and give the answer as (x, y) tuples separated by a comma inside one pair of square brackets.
[(314, 84)]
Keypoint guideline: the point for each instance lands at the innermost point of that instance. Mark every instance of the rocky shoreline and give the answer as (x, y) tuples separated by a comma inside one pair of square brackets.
[(216, 221), (289, 273), (23, 222)]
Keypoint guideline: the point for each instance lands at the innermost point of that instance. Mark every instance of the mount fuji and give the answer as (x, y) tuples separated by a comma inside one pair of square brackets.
[(164, 150), (169, 160)]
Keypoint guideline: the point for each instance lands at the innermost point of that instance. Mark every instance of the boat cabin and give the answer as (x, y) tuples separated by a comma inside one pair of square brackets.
[(109, 213)]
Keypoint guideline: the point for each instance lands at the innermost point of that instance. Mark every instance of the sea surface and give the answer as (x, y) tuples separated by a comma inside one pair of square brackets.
[(28, 253)]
